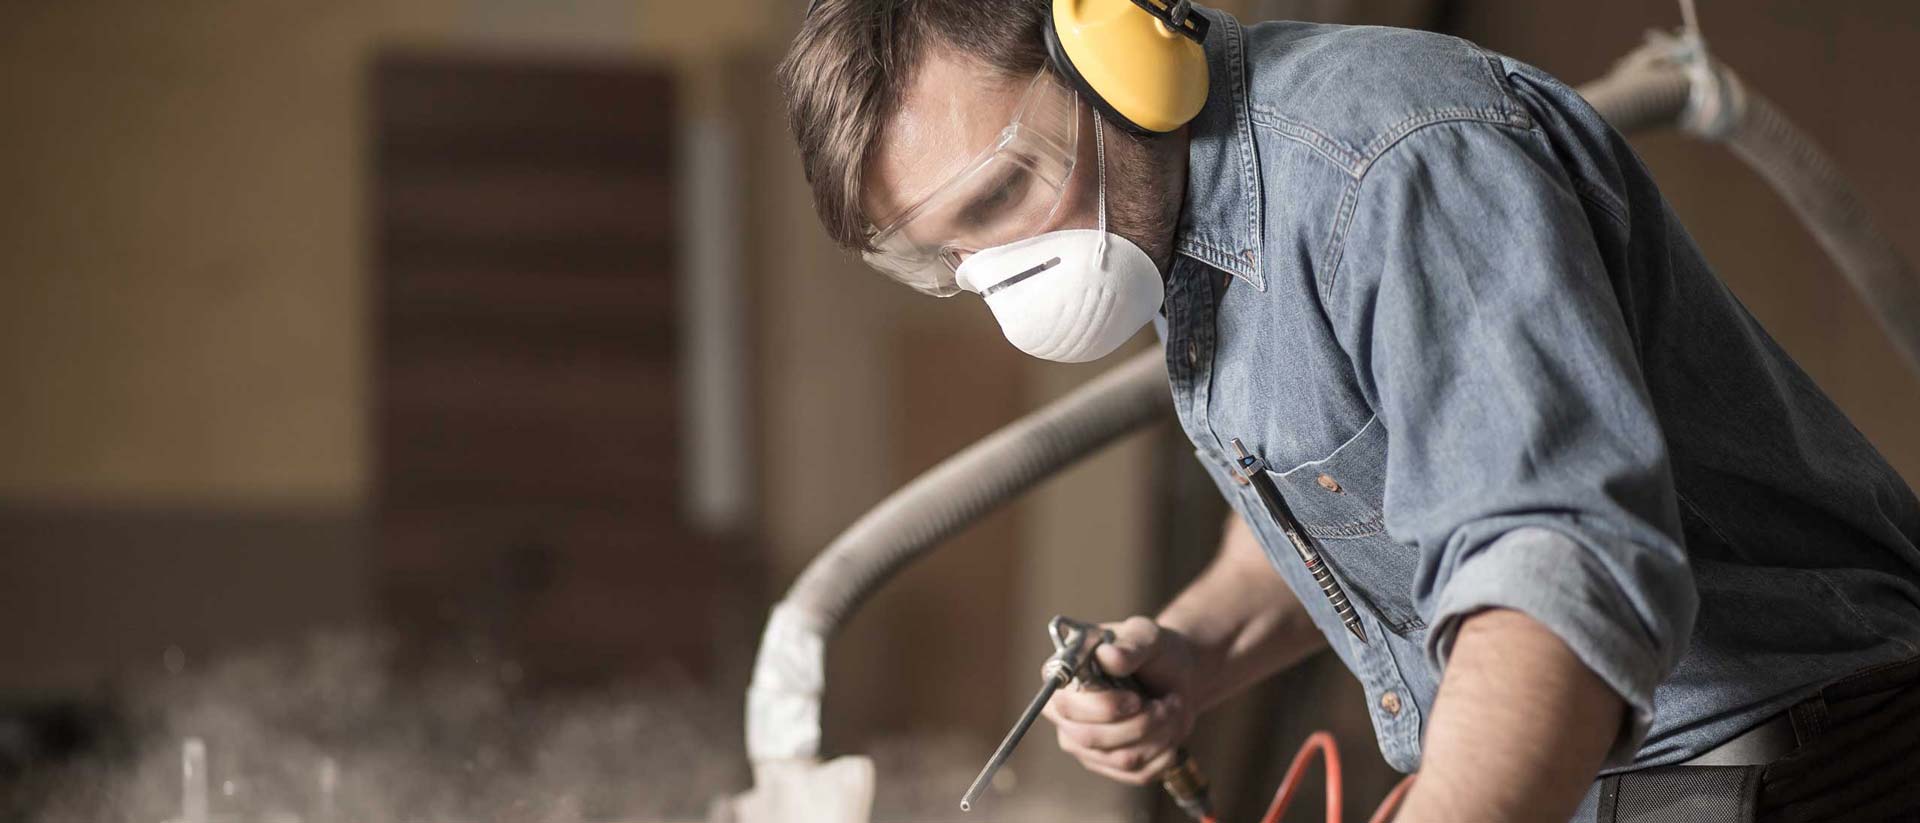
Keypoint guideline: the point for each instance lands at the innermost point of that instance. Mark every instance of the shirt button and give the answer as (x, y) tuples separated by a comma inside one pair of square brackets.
[(1238, 478), (1391, 703), (1327, 482), (1193, 354)]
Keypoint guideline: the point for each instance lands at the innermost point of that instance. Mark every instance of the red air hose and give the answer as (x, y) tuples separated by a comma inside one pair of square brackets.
[(1322, 743), (1317, 743)]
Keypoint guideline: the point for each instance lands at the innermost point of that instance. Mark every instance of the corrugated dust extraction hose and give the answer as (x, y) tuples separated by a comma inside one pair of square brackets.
[(946, 499), (1665, 85), (976, 481)]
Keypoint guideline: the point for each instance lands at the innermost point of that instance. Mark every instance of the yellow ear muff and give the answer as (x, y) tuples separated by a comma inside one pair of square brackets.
[(1132, 59)]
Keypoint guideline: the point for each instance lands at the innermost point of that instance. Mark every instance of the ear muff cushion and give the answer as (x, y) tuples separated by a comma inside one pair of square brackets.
[(1064, 64), (1127, 64)]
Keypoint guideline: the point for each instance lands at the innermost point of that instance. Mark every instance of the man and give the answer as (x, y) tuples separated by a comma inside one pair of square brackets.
[(1431, 326)]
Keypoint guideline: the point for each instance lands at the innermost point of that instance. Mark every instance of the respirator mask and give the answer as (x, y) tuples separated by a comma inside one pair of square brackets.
[(1069, 296)]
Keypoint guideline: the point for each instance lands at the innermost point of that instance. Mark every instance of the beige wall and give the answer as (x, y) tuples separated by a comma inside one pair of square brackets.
[(182, 232), (184, 311), (183, 305)]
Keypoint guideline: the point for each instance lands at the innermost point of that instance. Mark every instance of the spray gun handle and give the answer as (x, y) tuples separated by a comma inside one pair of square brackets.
[(1074, 643), (1182, 779)]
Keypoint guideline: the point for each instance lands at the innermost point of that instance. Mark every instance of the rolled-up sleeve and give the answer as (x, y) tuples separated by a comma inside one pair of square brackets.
[(1526, 461)]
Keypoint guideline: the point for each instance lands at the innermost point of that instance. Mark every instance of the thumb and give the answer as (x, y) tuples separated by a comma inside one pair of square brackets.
[(1136, 641)]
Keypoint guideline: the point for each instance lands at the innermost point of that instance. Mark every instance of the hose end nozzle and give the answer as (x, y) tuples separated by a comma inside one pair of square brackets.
[(1188, 787)]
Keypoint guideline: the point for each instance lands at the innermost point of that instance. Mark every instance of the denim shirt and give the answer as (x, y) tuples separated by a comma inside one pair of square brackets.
[(1486, 367)]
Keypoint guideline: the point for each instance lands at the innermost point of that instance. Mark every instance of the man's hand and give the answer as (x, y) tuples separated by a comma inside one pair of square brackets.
[(1122, 734), (1519, 729), (1237, 623)]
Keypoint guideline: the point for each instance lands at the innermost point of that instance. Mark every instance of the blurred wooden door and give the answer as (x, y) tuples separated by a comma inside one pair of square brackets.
[(527, 398)]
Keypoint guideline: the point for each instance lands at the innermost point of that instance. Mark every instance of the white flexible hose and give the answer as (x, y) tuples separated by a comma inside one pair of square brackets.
[(1655, 87), (783, 702)]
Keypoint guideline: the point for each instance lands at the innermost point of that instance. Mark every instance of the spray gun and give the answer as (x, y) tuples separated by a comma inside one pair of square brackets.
[(1073, 646)]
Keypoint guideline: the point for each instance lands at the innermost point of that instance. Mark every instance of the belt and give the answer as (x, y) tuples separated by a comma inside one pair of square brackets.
[(1757, 746), (1703, 794)]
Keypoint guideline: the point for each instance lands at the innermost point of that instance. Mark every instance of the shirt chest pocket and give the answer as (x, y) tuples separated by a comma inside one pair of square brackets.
[(1339, 503)]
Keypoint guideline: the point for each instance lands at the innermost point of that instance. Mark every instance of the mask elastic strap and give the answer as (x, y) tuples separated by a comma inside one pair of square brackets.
[(1100, 157)]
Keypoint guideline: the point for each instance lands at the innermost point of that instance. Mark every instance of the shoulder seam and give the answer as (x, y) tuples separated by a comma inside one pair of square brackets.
[(1491, 62), (1354, 161), (1491, 115), (1507, 111), (1349, 201)]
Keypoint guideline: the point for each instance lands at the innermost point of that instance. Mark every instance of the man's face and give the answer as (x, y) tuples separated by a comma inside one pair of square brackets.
[(953, 111)]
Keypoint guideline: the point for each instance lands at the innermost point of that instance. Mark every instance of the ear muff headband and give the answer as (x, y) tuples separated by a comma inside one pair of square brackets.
[(1139, 62)]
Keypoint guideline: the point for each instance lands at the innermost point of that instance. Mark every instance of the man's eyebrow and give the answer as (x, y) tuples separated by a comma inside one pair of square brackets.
[(1002, 176)]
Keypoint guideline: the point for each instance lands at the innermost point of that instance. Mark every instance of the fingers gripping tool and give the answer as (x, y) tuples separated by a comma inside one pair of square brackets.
[(1073, 659)]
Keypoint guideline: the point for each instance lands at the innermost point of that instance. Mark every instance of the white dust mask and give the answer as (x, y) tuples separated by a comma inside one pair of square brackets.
[(1069, 296)]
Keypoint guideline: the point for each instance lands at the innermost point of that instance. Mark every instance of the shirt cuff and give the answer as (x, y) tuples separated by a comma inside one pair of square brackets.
[(1558, 582)]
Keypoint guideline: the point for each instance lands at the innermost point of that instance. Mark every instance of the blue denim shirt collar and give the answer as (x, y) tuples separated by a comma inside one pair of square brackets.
[(1221, 218)]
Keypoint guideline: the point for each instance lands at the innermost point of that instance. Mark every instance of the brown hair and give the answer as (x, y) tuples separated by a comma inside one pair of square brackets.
[(847, 68)]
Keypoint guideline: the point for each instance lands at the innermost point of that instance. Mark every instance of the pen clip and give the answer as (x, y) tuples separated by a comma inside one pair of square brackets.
[(1247, 461)]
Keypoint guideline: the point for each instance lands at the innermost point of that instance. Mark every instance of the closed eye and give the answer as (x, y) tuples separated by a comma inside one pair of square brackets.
[(999, 198)]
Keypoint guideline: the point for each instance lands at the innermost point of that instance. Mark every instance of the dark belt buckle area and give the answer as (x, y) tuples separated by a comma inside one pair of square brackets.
[(1758, 746)]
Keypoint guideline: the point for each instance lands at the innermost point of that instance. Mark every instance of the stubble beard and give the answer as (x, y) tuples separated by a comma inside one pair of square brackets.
[(1140, 203)]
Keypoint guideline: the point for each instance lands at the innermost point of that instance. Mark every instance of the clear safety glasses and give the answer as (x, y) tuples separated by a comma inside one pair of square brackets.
[(1008, 193)]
